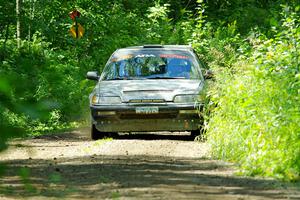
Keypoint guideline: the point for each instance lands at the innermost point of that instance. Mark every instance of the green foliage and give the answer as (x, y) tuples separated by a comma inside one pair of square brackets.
[(24, 174), (257, 121), (6, 129), (55, 178), (2, 169), (45, 81), (159, 24), (43, 86), (115, 195), (251, 111)]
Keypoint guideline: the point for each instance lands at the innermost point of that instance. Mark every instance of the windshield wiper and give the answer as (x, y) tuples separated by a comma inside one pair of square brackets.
[(160, 77), (125, 78), (113, 79)]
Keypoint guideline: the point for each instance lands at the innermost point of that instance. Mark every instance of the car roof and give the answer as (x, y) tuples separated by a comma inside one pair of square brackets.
[(162, 47)]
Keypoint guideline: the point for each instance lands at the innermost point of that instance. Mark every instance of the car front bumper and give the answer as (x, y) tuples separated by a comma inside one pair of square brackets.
[(124, 118)]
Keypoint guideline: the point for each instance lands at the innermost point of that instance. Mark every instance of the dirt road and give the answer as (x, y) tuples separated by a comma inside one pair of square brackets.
[(141, 166)]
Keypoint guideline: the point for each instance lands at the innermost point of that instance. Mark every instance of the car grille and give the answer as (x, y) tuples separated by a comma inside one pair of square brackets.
[(146, 101), (148, 116)]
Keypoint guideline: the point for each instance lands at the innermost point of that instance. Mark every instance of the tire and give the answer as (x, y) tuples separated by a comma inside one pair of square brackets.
[(198, 135), (195, 133), (95, 134)]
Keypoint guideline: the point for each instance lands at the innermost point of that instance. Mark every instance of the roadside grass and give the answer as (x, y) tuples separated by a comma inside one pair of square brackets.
[(115, 195), (97, 144), (255, 119)]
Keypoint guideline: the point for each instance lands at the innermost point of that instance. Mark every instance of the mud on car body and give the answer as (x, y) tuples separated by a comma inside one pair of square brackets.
[(147, 88)]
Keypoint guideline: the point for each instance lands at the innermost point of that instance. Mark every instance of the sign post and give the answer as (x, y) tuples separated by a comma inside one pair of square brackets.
[(76, 29)]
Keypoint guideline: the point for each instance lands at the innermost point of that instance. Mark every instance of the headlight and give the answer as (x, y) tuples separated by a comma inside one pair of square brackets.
[(105, 100), (185, 98)]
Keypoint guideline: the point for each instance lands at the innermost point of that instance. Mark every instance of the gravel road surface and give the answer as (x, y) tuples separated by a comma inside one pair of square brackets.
[(136, 166)]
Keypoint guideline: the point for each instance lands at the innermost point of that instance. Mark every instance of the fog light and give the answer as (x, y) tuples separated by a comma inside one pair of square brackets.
[(187, 111), (106, 113)]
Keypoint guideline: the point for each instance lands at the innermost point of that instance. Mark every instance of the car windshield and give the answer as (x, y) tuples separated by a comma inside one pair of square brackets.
[(128, 64)]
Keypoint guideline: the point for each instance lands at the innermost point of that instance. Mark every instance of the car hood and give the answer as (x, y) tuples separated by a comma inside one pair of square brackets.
[(164, 90)]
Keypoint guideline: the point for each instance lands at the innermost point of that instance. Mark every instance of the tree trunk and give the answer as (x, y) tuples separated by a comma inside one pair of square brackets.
[(31, 17), (18, 9)]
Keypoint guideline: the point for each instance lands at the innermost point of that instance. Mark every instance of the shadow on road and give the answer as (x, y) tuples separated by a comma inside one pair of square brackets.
[(85, 135), (132, 177), (94, 175), (154, 136)]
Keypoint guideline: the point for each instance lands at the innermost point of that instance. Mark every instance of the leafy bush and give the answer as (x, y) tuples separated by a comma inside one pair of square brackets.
[(254, 102), (45, 86), (257, 121)]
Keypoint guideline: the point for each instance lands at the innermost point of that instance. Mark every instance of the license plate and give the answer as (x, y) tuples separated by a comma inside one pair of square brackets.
[(146, 110)]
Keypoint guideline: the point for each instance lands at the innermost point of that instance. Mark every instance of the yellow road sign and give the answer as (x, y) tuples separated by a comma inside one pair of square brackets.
[(80, 30)]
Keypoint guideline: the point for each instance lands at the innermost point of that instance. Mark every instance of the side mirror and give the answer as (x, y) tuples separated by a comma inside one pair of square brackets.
[(93, 75), (209, 74)]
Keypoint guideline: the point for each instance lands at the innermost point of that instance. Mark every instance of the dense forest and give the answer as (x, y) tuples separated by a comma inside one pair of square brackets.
[(252, 112)]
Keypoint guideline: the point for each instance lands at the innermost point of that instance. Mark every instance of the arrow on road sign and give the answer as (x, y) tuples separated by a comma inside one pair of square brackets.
[(76, 31)]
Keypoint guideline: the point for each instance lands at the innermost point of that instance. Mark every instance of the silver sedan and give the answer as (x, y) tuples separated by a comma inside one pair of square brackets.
[(147, 88)]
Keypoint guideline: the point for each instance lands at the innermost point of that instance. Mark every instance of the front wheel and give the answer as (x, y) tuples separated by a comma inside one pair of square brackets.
[(195, 133), (198, 135), (95, 134)]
